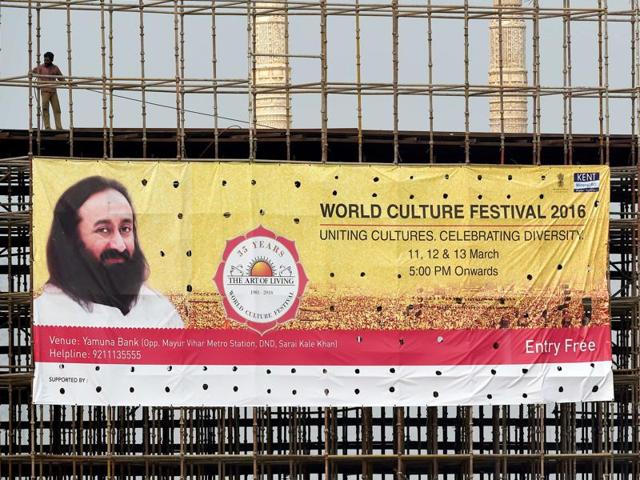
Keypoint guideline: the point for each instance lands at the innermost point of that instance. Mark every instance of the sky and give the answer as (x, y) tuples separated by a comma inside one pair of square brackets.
[(304, 31)]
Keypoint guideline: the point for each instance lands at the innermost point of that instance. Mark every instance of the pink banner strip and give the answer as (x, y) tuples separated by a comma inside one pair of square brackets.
[(142, 346)]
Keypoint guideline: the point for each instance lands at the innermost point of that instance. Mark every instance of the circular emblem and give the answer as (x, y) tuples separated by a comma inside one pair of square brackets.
[(260, 279)]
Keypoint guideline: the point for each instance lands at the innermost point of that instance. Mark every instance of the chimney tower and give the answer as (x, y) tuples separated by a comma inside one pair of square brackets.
[(272, 108), (514, 72)]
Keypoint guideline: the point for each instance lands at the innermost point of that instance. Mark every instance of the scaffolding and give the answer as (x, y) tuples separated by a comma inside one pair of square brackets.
[(586, 440)]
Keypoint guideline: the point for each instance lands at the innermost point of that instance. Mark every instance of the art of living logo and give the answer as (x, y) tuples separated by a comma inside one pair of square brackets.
[(261, 279)]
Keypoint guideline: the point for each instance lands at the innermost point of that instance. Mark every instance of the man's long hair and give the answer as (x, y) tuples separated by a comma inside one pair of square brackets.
[(74, 270)]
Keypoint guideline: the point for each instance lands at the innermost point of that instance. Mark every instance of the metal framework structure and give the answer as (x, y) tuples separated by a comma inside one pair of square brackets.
[(588, 440)]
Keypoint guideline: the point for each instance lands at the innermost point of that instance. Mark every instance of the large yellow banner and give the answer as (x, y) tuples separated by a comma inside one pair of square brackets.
[(271, 251)]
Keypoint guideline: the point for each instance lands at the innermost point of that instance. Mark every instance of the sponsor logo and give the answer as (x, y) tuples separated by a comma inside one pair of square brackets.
[(586, 182), (261, 279)]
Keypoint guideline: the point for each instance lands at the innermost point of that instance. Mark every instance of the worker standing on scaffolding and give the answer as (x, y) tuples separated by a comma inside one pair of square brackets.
[(48, 74)]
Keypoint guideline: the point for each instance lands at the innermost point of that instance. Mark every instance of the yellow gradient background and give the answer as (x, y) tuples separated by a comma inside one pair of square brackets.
[(219, 201)]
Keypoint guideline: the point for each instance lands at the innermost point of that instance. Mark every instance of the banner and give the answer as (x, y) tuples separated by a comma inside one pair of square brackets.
[(220, 283)]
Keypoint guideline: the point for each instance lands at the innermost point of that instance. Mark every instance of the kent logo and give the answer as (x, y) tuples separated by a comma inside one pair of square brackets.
[(586, 182)]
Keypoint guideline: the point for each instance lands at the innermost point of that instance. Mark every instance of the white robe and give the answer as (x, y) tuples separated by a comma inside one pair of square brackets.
[(151, 310)]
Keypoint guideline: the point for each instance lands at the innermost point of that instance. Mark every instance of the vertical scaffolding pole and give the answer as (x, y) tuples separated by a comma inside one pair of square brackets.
[(430, 75), (323, 81), (358, 80), (537, 117), (214, 72), (467, 156), (394, 49), (567, 92), (70, 83), (103, 81), (143, 83), (178, 92)]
